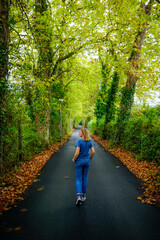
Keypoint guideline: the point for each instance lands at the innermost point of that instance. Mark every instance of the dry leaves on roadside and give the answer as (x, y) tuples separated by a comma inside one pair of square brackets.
[(146, 171), (41, 188), (15, 183), (66, 177)]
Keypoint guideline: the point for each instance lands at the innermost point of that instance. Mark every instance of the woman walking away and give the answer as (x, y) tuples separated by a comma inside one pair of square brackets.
[(82, 162)]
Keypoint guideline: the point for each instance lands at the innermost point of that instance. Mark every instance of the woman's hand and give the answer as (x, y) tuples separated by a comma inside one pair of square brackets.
[(93, 152), (76, 154)]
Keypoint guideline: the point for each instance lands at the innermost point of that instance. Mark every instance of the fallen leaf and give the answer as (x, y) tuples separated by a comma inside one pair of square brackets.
[(41, 188), (17, 229), (139, 198), (9, 229), (23, 210), (66, 177), (3, 184), (117, 166)]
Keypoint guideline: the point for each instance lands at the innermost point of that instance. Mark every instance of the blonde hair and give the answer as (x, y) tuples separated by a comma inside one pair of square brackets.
[(85, 133)]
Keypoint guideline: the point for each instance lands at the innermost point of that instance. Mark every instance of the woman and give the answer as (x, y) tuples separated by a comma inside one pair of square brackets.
[(82, 162)]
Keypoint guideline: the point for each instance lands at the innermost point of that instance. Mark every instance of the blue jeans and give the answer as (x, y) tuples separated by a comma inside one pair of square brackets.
[(81, 167)]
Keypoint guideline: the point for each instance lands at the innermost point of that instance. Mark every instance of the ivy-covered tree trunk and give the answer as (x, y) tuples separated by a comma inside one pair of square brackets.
[(110, 101), (28, 88), (101, 97), (20, 140), (129, 89), (4, 40), (43, 35)]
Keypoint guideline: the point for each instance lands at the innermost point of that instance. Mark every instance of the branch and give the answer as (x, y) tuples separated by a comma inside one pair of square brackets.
[(56, 51), (29, 25), (148, 7), (20, 39), (100, 57), (67, 70), (64, 58), (70, 54), (71, 81)]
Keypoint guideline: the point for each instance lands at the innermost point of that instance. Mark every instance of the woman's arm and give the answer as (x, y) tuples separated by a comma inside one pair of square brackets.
[(92, 152), (76, 154)]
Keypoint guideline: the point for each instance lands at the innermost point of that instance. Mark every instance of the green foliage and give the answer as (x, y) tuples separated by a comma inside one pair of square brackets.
[(125, 110), (55, 126), (100, 127), (16, 168), (143, 138), (141, 135), (110, 101), (152, 113), (100, 104), (111, 97), (92, 126), (31, 143), (11, 145), (4, 41), (110, 131), (53, 54)]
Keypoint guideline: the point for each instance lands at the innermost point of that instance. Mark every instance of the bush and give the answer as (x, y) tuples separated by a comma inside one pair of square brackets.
[(10, 146), (110, 131), (91, 126), (142, 137), (99, 129), (31, 143)]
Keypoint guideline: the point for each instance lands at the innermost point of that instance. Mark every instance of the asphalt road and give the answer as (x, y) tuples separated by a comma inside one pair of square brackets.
[(111, 211)]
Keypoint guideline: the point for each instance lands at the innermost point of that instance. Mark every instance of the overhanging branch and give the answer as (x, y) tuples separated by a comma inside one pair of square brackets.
[(64, 58)]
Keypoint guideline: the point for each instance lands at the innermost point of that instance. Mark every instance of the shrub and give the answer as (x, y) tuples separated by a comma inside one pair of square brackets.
[(31, 143), (142, 138), (141, 135), (99, 129), (91, 126), (110, 131)]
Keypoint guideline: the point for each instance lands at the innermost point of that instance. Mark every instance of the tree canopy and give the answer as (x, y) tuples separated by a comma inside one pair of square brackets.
[(96, 55)]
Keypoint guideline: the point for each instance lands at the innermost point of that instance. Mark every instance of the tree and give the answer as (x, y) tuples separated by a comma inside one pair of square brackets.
[(110, 101), (100, 104), (128, 91), (4, 42), (55, 41)]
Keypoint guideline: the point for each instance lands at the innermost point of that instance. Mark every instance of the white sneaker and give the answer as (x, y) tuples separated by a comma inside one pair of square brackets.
[(83, 198), (78, 202)]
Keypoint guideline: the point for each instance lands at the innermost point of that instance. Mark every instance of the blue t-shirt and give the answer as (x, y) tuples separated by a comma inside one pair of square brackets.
[(84, 149)]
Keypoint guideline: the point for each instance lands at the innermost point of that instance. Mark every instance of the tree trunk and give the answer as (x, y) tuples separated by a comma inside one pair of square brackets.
[(20, 140), (110, 102), (4, 40), (42, 122), (100, 101), (129, 89), (43, 43), (29, 100)]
